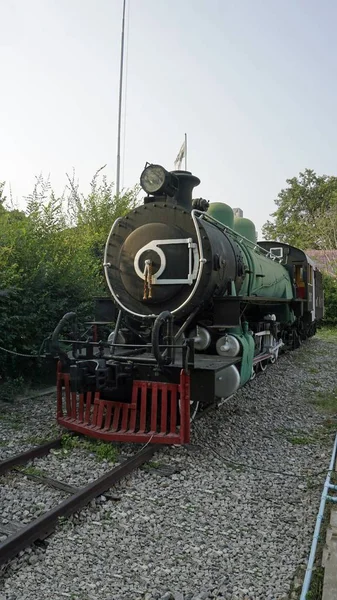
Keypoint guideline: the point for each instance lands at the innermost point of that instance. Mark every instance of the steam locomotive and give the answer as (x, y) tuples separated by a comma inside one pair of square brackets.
[(198, 308)]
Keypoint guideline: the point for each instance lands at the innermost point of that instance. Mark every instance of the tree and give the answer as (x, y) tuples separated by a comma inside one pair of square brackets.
[(330, 299), (306, 214), (95, 213)]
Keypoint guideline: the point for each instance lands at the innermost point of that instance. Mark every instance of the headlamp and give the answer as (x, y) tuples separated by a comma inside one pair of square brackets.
[(156, 180)]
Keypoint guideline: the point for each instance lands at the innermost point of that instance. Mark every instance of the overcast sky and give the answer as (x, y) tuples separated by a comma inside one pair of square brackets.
[(252, 82)]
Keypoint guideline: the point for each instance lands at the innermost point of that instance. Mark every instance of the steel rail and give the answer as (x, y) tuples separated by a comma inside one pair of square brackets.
[(24, 457), (46, 523)]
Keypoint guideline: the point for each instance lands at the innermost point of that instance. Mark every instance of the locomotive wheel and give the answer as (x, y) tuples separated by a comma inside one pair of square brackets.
[(296, 340)]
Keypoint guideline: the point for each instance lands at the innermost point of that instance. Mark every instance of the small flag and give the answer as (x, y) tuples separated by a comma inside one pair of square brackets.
[(181, 155)]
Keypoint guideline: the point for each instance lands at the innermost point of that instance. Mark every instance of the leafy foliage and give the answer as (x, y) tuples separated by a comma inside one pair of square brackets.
[(51, 261), (306, 217), (330, 299), (103, 451), (306, 214)]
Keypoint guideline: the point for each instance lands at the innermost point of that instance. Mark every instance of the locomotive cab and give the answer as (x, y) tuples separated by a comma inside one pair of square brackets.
[(307, 293)]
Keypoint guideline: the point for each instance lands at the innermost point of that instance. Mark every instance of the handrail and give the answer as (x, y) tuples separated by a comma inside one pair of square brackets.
[(327, 486), (239, 237)]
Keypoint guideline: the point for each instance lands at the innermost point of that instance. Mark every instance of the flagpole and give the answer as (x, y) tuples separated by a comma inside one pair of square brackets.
[(120, 105), (185, 151)]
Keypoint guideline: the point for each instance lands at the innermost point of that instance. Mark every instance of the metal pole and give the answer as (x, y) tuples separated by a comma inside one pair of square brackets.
[(120, 105), (185, 151)]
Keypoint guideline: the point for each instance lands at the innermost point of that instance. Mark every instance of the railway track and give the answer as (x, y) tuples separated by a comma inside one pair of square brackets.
[(20, 537)]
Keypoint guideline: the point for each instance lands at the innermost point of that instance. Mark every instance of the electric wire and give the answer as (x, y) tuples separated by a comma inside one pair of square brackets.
[(21, 354), (254, 467), (39, 354)]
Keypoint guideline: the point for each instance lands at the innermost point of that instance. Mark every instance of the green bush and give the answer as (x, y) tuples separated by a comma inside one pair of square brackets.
[(330, 299), (51, 262)]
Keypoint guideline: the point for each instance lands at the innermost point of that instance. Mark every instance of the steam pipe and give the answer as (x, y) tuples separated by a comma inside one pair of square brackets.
[(67, 317)]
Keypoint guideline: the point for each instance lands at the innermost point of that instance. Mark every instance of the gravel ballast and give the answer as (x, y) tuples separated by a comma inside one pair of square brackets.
[(233, 518)]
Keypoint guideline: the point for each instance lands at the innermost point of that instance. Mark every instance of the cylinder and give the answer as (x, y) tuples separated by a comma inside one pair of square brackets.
[(202, 338), (228, 345), (227, 381)]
